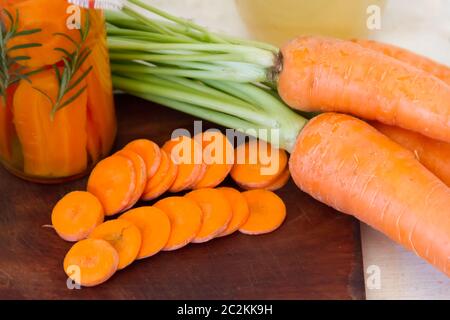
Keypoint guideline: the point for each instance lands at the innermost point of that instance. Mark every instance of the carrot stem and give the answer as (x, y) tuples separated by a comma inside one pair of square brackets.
[(135, 35), (249, 54), (123, 21), (204, 101), (141, 17), (226, 74), (150, 57), (210, 115), (186, 23), (179, 64), (139, 34)]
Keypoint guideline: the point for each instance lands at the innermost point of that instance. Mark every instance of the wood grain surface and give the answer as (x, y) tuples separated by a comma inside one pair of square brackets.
[(316, 254)]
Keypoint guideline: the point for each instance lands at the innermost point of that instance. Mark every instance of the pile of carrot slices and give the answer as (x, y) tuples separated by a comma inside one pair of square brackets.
[(201, 215), (143, 171)]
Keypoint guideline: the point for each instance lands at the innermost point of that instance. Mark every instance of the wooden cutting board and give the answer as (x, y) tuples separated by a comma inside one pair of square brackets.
[(316, 254)]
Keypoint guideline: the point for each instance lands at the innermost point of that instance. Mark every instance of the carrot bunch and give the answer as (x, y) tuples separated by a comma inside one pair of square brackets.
[(201, 215), (336, 158)]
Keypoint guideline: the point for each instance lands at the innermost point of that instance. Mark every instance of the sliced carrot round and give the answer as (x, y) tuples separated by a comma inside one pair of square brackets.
[(277, 184), (218, 156), (200, 176), (124, 236), (217, 213), (239, 208), (185, 218), (187, 154), (280, 181), (140, 175), (155, 227), (258, 164), (149, 151), (91, 262), (76, 215), (113, 182), (267, 212), (162, 180)]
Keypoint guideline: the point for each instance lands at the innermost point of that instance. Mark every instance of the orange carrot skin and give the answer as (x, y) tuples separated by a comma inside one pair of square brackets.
[(350, 166), (433, 154), (438, 70), (323, 74)]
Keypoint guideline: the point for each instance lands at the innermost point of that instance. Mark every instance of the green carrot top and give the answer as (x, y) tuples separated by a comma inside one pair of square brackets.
[(179, 64)]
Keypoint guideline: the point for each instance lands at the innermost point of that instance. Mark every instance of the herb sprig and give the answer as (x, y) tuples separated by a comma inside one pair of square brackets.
[(9, 75), (72, 64)]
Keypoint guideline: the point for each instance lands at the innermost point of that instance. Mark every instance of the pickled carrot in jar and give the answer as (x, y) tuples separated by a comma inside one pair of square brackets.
[(100, 91), (6, 125), (52, 19), (51, 147), (60, 121)]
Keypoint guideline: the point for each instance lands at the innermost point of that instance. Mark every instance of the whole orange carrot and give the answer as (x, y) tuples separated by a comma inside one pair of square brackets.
[(51, 147), (433, 154), (344, 163), (324, 74), (438, 70)]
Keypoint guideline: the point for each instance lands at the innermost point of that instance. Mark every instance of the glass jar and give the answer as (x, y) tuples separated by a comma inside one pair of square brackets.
[(278, 21), (57, 115)]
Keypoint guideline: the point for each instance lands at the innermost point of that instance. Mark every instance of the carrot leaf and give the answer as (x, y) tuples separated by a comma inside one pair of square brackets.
[(179, 64)]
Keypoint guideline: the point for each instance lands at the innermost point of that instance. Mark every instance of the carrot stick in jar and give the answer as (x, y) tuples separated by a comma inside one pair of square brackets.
[(99, 87), (6, 125), (51, 147), (52, 18)]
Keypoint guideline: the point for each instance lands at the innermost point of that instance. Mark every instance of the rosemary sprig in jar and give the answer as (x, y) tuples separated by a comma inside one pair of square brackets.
[(9, 72), (72, 64)]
